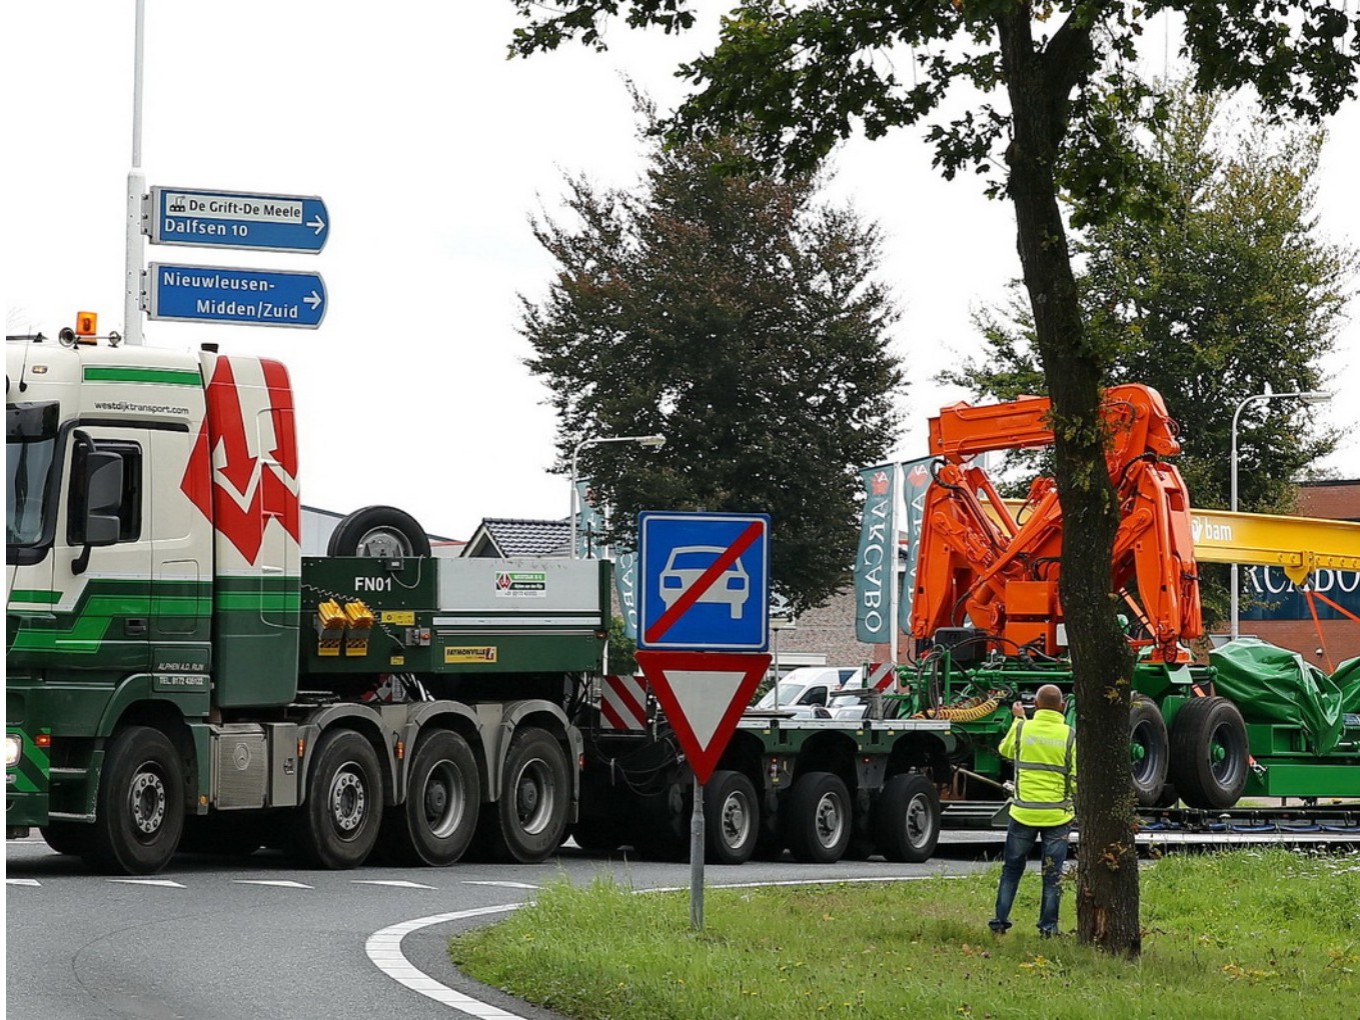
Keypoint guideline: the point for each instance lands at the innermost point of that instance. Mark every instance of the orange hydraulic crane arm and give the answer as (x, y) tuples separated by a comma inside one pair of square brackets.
[(1002, 573)]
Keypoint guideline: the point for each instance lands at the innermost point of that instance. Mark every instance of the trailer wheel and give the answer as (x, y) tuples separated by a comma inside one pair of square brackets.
[(139, 811), (1149, 750), (337, 825), (74, 838), (529, 820), (439, 818), (907, 818), (731, 818), (1209, 753), (818, 825), (383, 532)]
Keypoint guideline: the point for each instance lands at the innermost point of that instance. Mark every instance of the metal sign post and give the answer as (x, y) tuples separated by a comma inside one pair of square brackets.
[(696, 859)]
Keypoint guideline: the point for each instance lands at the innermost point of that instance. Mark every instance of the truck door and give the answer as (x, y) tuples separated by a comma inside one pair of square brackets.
[(106, 590), (181, 558)]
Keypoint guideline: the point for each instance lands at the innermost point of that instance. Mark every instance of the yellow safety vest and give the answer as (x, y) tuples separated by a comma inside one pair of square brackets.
[(1045, 754)]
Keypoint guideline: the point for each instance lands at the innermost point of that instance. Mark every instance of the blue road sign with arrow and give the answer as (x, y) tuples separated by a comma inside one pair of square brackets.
[(235, 219), (251, 297), (704, 581)]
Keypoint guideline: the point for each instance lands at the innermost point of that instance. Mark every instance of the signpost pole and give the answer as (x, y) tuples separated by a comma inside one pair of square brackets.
[(696, 859), (136, 187)]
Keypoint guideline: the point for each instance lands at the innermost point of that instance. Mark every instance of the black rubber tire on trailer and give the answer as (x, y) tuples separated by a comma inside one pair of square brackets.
[(529, 821), (1209, 753), (337, 825), (1149, 750), (907, 818), (139, 810), (379, 531), (818, 826), (74, 838), (731, 818), (439, 817)]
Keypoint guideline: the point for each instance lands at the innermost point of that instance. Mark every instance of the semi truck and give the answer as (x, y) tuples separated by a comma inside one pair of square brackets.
[(1247, 721), (179, 676)]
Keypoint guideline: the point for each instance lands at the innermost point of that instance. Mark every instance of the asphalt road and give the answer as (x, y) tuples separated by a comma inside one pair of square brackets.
[(228, 939)]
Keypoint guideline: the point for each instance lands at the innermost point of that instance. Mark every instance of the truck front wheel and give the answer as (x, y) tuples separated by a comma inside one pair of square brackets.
[(438, 820), (338, 824), (139, 812), (818, 826)]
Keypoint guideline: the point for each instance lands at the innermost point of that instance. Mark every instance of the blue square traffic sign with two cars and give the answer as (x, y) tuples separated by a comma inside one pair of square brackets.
[(704, 581)]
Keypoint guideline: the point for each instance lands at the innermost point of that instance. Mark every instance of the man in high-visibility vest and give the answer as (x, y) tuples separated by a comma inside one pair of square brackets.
[(1045, 757)]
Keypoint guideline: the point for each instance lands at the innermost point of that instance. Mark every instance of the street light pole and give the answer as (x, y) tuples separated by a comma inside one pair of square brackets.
[(1308, 397), (654, 442)]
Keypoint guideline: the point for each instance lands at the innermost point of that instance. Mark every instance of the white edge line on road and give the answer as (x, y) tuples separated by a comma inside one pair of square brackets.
[(384, 947)]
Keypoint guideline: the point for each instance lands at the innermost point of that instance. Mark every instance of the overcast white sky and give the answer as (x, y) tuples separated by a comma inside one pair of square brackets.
[(431, 151)]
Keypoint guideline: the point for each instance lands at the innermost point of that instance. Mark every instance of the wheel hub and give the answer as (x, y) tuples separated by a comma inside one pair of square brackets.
[(148, 802), (348, 801)]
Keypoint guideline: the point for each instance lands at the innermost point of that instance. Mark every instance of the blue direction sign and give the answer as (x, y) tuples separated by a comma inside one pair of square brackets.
[(704, 581), (233, 219), (252, 297)]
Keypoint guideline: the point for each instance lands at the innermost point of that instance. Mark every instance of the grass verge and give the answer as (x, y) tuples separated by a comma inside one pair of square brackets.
[(1267, 933)]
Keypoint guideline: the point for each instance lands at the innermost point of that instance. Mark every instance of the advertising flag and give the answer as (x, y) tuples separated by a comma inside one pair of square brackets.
[(915, 481), (874, 560), (589, 521), (625, 581)]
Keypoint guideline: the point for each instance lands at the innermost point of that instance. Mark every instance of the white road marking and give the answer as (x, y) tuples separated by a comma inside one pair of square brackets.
[(393, 884), (384, 949), (281, 884), (22, 881), (164, 883), (505, 885)]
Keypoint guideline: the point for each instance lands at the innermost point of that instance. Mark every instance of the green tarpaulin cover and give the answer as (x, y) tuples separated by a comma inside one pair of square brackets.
[(1274, 685)]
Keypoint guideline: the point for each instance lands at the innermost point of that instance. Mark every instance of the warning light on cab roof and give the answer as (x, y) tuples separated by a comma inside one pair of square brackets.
[(87, 323)]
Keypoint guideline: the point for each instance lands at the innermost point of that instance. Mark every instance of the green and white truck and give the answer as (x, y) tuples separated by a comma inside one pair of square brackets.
[(178, 675)]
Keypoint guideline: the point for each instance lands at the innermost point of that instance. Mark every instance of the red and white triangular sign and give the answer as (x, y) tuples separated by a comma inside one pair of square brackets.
[(703, 695)]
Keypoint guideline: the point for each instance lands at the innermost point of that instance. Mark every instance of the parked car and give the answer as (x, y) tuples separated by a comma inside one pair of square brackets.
[(808, 692)]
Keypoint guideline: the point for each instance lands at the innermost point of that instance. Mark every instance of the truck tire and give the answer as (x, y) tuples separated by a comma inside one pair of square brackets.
[(528, 822), (1209, 753), (338, 822), (139, 810), (436, 823), (1149, 750), (731, 818), (74, 838), (818, 825), (379, 531), (907, 819)]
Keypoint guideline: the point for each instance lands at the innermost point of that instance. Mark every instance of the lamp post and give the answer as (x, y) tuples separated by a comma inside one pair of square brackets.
[(1308, 397), (654, 442)]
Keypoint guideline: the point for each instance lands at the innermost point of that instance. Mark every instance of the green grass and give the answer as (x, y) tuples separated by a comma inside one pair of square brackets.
[(1246, 934)]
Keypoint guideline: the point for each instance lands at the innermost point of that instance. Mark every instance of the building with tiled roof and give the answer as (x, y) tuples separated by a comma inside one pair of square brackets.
[(502, 537)]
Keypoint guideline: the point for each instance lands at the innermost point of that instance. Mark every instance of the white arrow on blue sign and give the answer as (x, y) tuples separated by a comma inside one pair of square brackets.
[(236, 219), (704, 581), (250, 297)]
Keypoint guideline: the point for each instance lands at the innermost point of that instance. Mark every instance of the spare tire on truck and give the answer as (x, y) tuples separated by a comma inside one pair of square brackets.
[(380, 532)]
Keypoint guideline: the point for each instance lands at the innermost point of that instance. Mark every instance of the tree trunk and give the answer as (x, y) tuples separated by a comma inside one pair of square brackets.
[(1107, 870)]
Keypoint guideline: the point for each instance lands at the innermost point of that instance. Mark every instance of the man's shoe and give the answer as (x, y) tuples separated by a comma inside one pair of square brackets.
[(999, 927)]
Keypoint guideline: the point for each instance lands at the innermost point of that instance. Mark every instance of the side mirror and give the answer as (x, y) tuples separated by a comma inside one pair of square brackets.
[(103, 483)]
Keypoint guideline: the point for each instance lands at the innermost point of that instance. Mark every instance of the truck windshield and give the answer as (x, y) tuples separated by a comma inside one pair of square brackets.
[(30, 452)]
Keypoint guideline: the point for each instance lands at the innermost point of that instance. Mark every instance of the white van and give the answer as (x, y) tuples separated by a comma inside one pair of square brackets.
[(807, 691)]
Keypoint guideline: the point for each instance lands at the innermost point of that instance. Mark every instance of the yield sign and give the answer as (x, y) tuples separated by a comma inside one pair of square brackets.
[(703, 694)]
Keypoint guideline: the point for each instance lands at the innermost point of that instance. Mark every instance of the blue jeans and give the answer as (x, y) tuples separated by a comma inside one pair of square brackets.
[(1020, 839)]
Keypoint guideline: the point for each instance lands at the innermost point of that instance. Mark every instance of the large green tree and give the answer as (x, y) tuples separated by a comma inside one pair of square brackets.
[(1231, 288), (1049, 90), (732, 312)]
